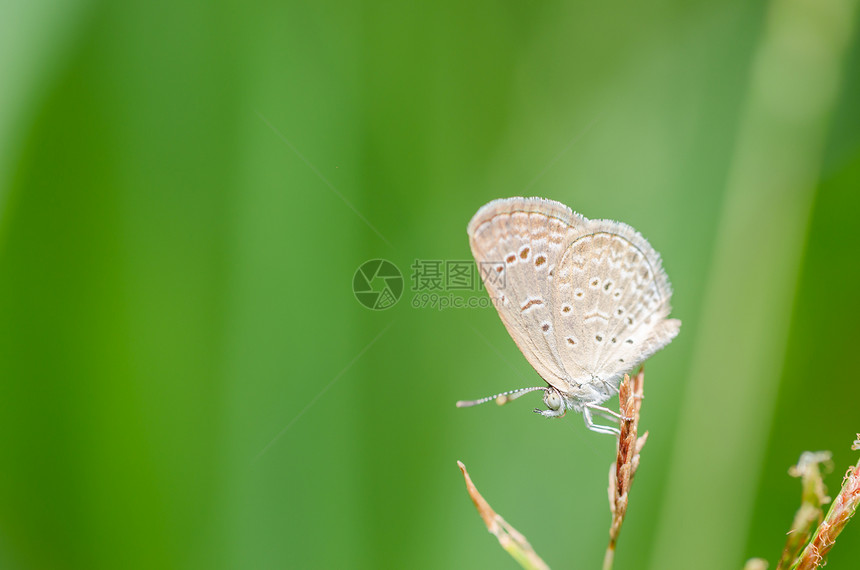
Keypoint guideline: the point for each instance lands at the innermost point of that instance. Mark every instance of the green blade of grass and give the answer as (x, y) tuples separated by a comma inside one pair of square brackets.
[(747, 304)]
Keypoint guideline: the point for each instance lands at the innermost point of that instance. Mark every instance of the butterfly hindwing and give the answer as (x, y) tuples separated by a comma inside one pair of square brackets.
[(613, 296)]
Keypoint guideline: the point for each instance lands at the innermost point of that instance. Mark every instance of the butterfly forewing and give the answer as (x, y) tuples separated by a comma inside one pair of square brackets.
[(518, 243)]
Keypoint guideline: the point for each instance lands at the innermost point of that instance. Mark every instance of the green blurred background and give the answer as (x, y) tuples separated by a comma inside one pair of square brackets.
[(186, 189)]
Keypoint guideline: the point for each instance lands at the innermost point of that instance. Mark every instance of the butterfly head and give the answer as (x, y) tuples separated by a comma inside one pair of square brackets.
[(555, 402)]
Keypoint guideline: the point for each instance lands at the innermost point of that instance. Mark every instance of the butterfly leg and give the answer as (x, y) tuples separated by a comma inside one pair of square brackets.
[(589, 423), (605, 412), (551, 413)]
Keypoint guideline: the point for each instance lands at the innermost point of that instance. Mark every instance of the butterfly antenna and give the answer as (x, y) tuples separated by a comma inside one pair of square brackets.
[(500, 399)]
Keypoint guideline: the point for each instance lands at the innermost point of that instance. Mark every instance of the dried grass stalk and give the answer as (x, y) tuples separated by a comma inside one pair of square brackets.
[(512, 541), (841, 511), (810, 514), (621, 473)]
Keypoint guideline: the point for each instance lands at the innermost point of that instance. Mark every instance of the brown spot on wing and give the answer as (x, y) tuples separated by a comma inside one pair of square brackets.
[(531, 303)]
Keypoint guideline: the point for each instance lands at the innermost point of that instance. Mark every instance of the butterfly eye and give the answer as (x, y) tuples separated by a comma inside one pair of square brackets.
[(552, 399)]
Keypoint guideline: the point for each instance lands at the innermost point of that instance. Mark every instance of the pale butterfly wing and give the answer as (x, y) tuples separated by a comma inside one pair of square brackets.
[(518, 243), (558, 281), (611, 298)]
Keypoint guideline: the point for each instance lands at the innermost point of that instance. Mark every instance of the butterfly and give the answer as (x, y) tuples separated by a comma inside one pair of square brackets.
[(584, 300)]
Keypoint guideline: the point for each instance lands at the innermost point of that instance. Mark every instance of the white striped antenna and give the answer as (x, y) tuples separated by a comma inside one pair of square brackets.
[(502, 398)]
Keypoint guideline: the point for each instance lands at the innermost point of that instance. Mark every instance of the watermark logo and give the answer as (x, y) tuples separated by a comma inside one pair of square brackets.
[(377, 284)]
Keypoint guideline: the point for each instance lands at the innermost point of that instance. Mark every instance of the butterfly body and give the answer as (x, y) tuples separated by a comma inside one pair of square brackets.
[(584, 300)]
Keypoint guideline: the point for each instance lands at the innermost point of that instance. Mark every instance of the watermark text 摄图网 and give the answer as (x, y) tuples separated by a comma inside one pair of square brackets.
[(436, 283)]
